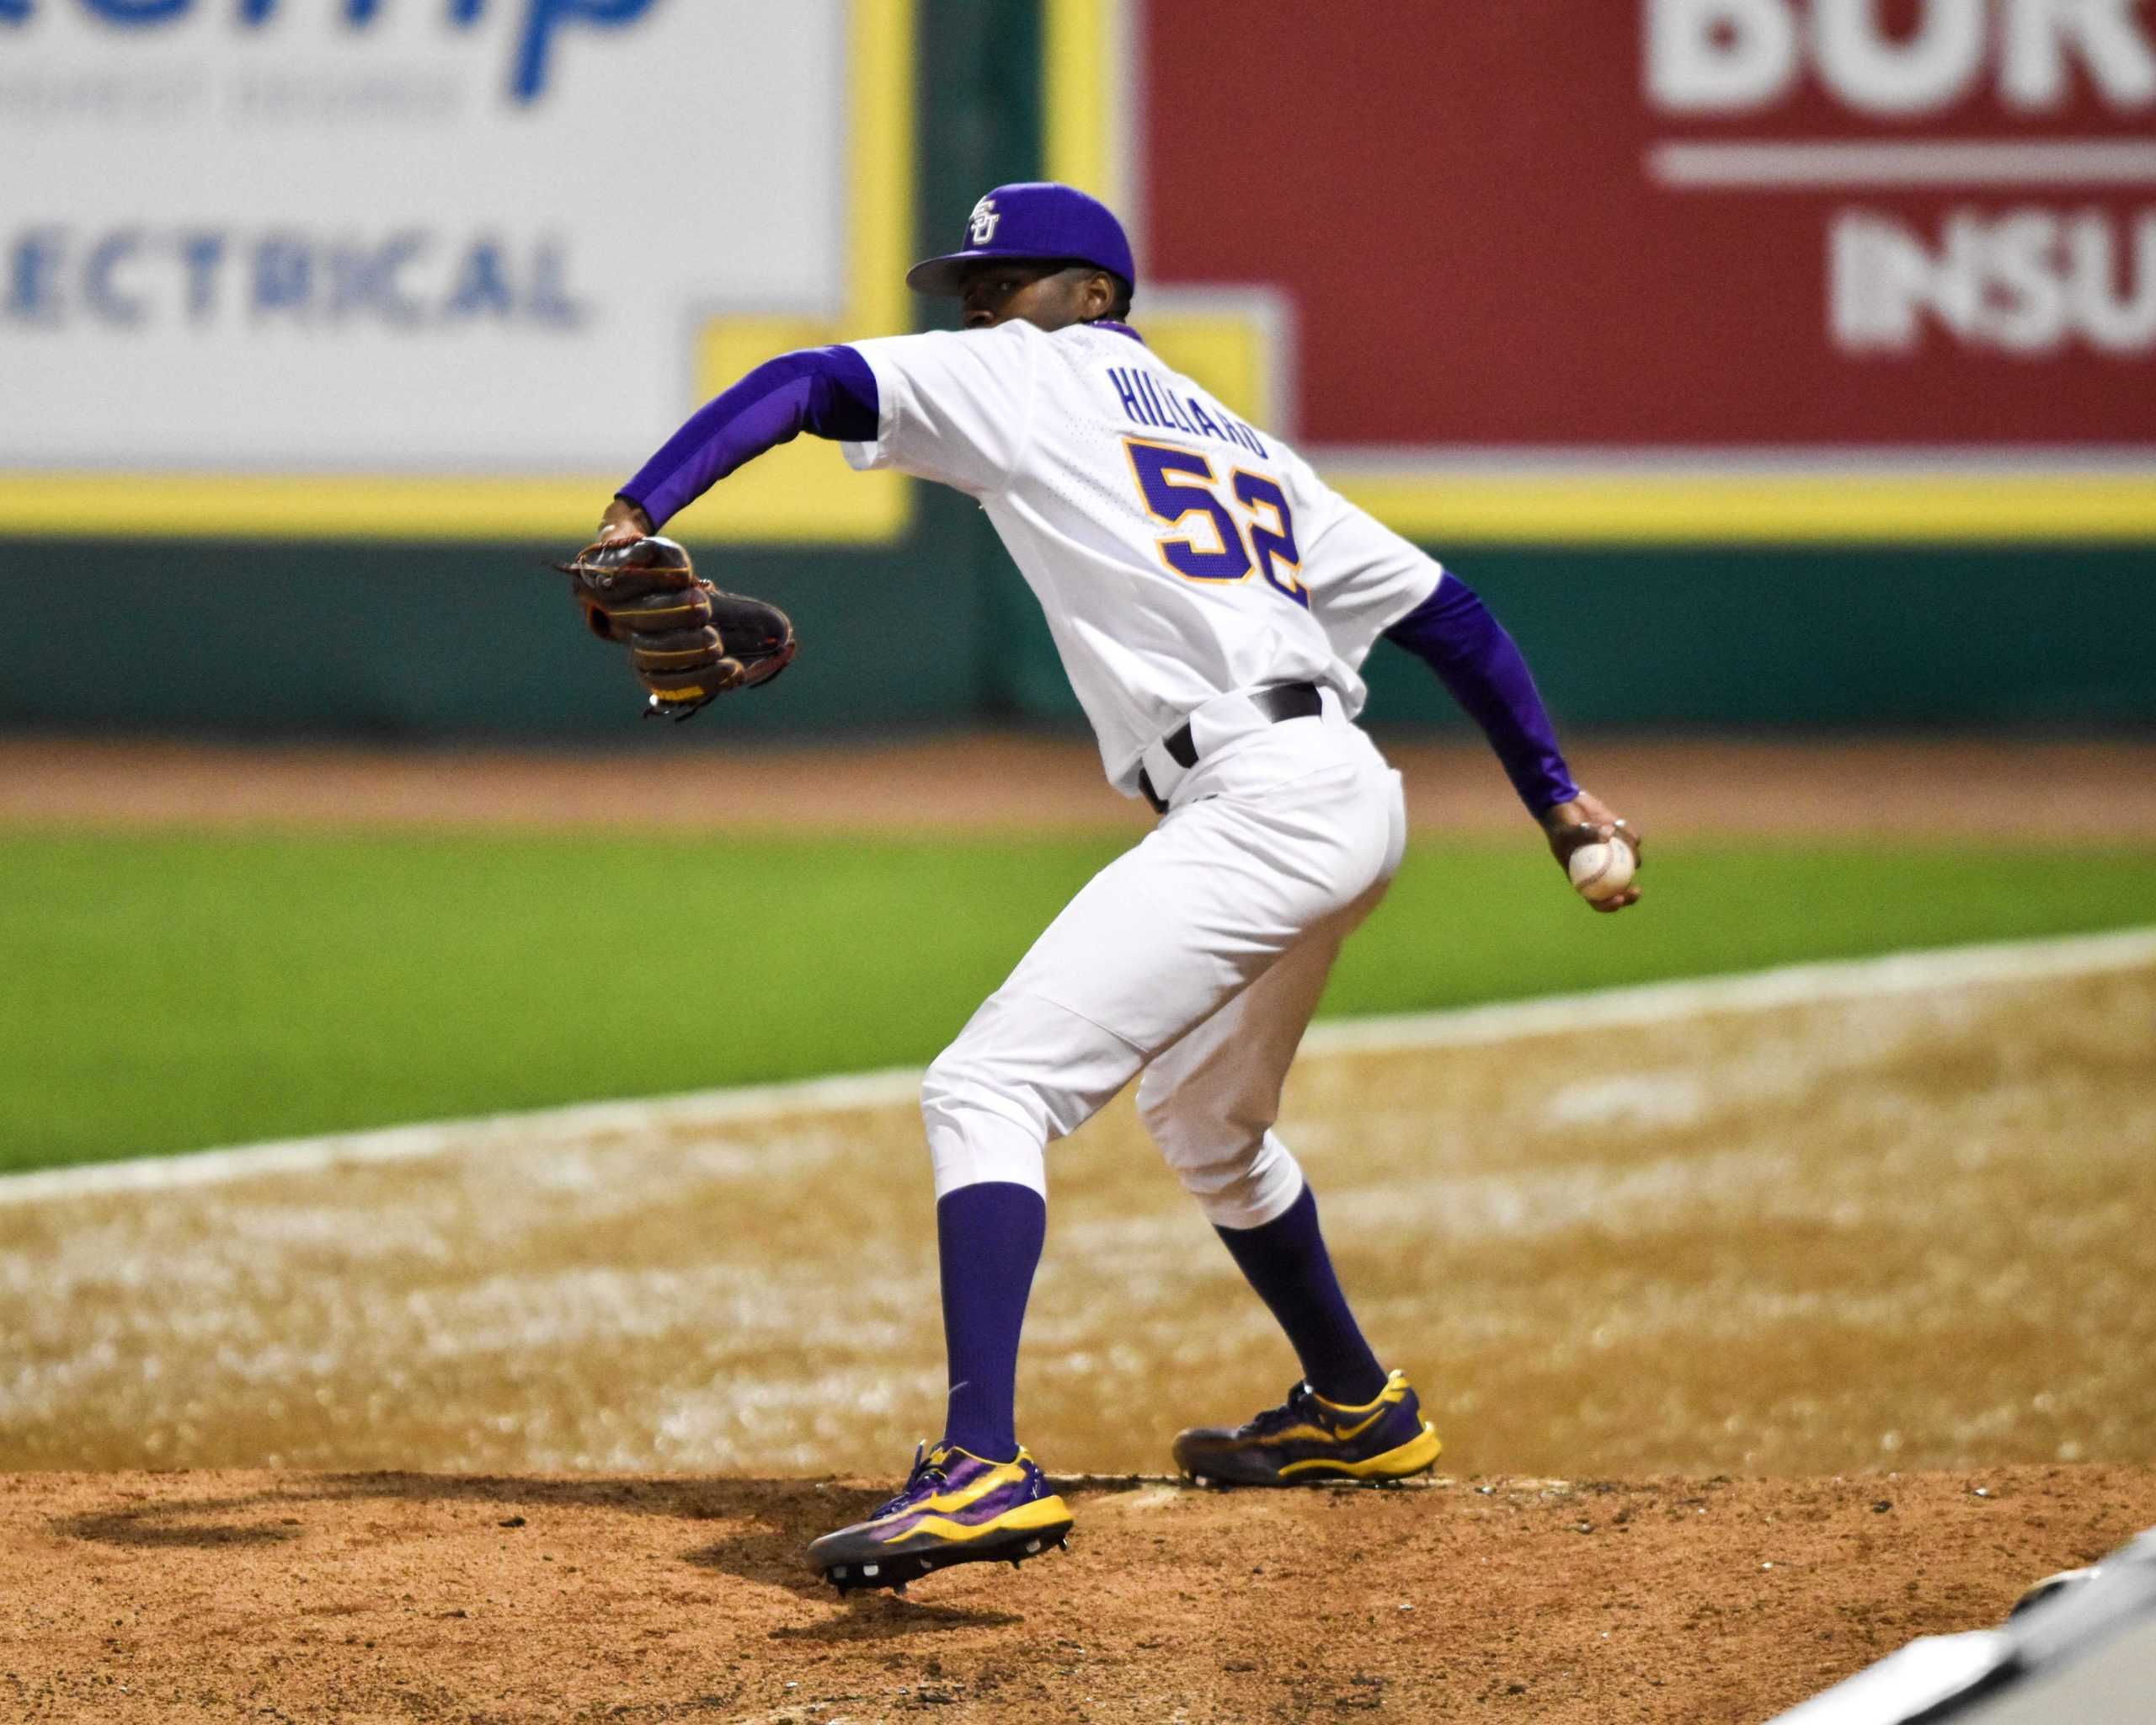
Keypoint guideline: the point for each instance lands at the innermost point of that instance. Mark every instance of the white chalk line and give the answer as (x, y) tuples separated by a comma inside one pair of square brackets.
[(537, 1128), (1747, 991), (1647, 1004)]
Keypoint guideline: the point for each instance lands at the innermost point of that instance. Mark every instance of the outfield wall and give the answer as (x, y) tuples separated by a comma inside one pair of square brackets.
[(1679, 574)]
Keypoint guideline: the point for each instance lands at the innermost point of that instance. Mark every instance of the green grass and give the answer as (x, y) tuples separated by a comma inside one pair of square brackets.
[(163, 992)]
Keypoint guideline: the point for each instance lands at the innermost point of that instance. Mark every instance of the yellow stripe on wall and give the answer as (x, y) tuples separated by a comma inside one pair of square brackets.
[(1440, 510), (1733, 509), (560, 511), (1079, 95)]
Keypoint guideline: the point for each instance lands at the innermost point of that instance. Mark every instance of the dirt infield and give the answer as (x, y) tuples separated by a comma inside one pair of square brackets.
[(2093, 790), (399, 1597), (1907, 1231), (1805, 1244)]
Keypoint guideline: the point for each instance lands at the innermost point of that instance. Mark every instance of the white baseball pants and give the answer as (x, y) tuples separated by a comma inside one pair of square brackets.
[(1197, 957)]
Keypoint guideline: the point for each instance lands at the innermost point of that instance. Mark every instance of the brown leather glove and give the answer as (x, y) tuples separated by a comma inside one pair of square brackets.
[(689, 642)]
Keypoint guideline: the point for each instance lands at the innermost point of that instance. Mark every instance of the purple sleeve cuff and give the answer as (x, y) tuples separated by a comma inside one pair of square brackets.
[(1454, 633), (827, 392)]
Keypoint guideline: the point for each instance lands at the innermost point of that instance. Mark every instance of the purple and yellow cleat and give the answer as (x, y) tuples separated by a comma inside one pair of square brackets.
[(1308, 1441), (954, 1508)]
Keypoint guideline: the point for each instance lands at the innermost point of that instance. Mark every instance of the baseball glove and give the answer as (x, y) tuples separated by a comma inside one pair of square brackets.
[(688, 642)]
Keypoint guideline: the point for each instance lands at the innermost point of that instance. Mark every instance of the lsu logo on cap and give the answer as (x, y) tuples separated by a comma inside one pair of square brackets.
[(981, 224)]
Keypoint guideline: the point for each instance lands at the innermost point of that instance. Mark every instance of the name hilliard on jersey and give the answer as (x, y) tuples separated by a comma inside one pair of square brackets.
[(1149, 404), (1177, 552)]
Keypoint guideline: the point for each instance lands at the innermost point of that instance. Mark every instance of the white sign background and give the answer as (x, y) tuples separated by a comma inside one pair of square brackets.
[(311, 244)]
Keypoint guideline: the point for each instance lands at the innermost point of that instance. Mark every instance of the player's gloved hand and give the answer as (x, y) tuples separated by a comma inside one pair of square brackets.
[(1586, 819), (689, 642)]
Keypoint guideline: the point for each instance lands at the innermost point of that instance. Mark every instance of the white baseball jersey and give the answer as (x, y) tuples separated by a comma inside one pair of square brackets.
[(1178, 553)]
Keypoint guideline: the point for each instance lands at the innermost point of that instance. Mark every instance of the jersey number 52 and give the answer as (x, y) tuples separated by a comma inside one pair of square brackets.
[(1178, 483)]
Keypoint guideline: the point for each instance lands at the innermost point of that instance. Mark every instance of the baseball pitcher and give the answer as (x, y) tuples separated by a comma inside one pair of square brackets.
[(1212, 600)]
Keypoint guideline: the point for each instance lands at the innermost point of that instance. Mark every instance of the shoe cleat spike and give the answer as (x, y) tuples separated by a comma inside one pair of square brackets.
[(1032, 1546), (869, 1570)]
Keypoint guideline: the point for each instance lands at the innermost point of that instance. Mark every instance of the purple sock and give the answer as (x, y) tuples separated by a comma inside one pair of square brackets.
[(1286, 1262), (989, 1238)]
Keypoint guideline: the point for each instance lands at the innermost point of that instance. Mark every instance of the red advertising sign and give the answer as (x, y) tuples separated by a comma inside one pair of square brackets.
[(1732, 225)]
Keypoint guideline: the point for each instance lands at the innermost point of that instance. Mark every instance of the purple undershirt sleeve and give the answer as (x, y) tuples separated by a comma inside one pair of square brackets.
[(1455, 634), (827, 392)]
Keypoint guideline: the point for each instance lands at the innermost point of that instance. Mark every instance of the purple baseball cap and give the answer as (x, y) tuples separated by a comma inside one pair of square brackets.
[(1037, 220)]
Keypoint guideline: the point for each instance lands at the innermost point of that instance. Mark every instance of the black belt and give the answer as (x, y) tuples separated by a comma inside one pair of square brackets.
[(1280, 703)]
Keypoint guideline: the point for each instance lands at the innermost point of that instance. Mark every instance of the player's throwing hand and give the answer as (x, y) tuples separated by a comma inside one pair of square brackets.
[(1586, 819)]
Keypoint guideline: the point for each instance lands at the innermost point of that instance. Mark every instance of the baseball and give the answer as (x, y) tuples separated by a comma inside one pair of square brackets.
[(1601, 871)]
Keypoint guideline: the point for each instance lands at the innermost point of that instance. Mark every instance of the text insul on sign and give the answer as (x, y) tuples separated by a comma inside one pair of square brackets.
[(2026, 280)]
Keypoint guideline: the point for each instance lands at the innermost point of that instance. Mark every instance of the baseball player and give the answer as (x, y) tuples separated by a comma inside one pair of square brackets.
[(1211, 599)]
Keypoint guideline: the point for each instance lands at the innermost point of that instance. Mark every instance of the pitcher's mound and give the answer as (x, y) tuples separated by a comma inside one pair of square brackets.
[(407, 1596)]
